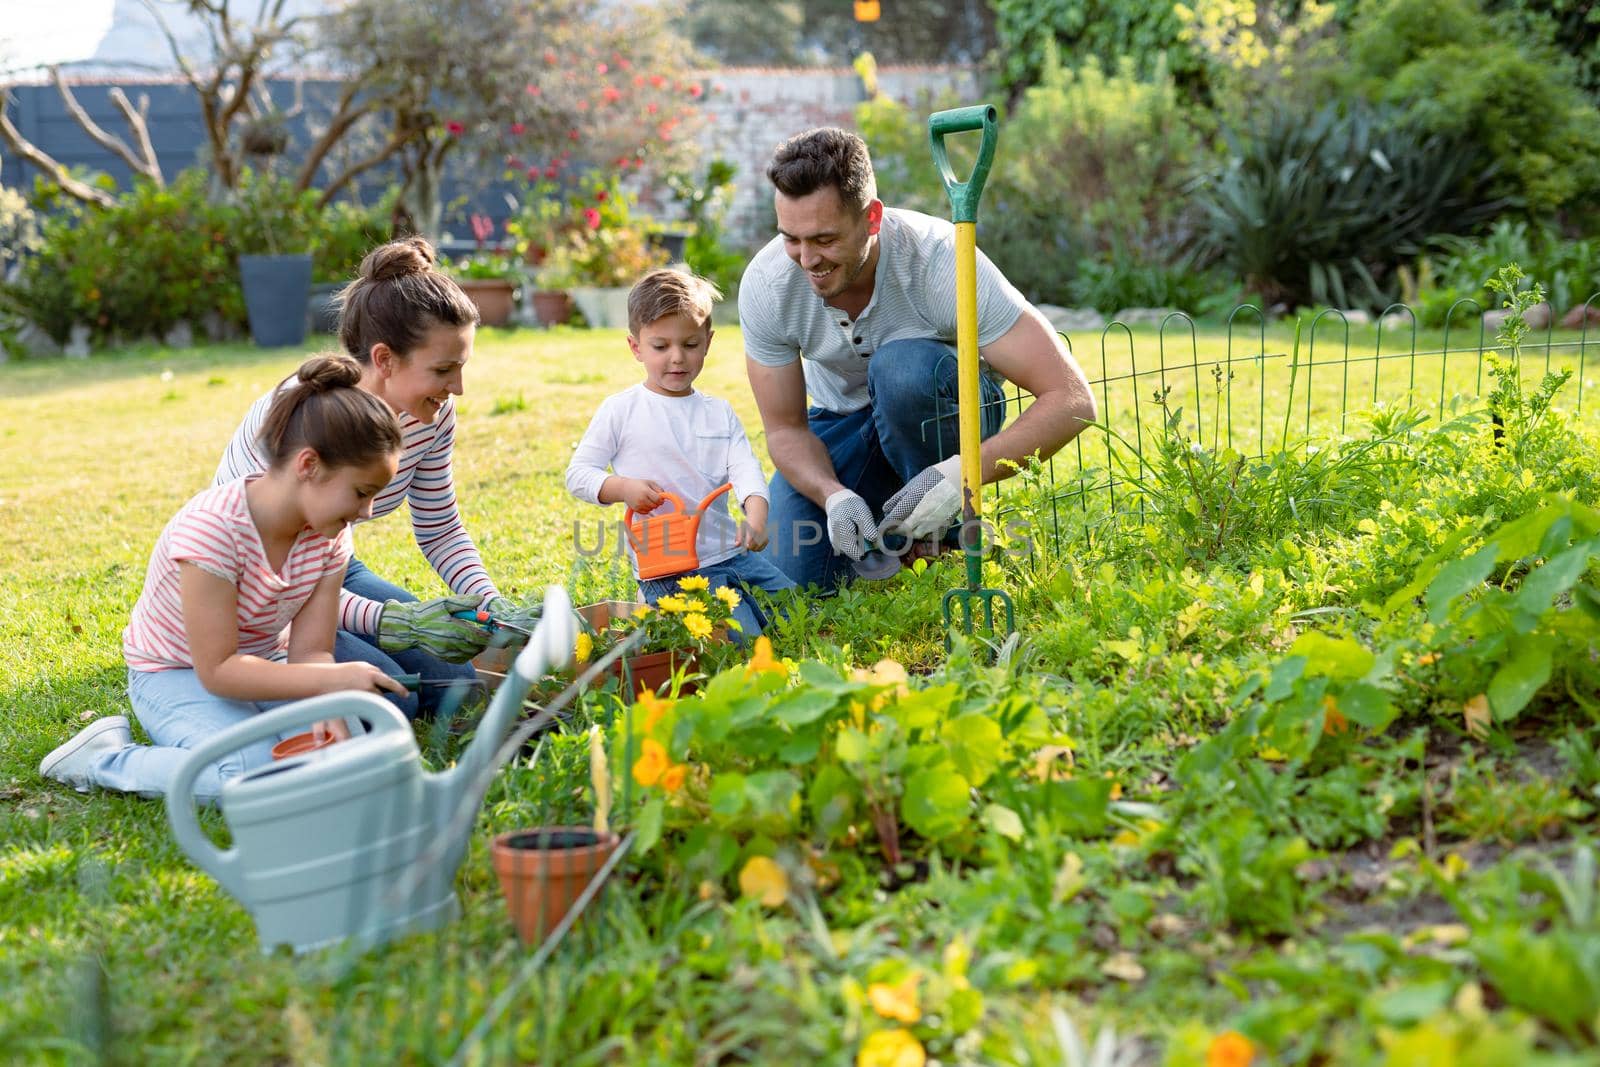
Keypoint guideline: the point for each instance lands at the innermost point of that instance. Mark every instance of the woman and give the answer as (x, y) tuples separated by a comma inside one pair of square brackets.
[(411, 328)]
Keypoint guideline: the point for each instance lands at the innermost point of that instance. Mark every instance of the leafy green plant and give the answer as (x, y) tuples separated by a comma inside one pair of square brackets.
[(1321, 207), (706, 202)]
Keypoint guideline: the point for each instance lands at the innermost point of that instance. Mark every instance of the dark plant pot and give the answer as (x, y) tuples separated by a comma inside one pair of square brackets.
[(492, 296), (543, 871), (322, 313), (653, 670), (276, 289), (552, 307)]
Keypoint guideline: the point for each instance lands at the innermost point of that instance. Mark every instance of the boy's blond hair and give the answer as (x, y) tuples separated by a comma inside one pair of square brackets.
[(670, 291)]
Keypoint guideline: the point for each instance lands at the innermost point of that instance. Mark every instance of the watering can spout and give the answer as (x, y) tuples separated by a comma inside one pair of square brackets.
[(549, 647)]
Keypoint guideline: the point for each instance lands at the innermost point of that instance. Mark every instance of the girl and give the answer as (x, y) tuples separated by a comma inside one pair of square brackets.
[(411, 329), (241, 598)]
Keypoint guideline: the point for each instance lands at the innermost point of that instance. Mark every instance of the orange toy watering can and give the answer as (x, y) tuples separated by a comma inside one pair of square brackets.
[(665, 544)]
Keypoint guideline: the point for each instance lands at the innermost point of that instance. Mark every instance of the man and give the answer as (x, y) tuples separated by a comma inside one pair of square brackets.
[(855, 303)]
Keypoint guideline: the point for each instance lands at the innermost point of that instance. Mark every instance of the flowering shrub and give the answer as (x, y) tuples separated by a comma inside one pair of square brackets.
[(590, 235)]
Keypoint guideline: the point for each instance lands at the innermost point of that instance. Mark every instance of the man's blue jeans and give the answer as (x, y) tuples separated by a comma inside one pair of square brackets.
[(909, 424), (363, 648)]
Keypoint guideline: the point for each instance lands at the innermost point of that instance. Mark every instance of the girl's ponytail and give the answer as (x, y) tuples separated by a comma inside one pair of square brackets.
[(326, 410)]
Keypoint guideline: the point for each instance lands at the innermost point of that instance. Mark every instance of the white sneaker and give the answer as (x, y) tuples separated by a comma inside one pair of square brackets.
[(69, 762)]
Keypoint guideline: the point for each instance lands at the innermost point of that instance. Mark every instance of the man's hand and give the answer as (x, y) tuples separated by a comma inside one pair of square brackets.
[(849, 523), (928, 505), (431, 626)]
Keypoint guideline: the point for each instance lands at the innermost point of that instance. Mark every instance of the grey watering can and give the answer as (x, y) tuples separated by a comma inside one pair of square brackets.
[(355, 839)]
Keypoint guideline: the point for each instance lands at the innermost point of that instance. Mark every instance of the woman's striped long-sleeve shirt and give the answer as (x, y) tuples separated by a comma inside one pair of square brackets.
[(423, 481)]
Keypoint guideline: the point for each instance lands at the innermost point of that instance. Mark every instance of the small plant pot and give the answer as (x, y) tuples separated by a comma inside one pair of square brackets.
[(551, 307), (653, 670), (493, 297), (543, 871), (300, 744)]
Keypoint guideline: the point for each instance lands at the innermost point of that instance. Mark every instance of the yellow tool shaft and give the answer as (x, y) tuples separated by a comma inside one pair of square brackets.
[(967, 369)]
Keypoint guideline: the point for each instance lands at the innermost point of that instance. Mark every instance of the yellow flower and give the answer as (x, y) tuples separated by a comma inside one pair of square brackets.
[(698, 625), (728, 597), (891, 1048), (694, 583), (672, 777), (671, 604), (762, 662), (641, 611), (1230, 1049), (654, 707), (647, 769), (897, 1002), (764, 880), (583, 647)]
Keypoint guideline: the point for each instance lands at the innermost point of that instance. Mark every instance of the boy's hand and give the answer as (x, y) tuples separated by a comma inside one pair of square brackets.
[(752, 536), (642, 495)]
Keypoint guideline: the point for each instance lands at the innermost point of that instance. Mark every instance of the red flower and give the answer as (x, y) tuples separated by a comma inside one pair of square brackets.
[(572, 135), (518, 128), (695, 90), (534, 90), (533, 173), (600, 196), (651, 108), (624, 64), (638, 81), (592, 217), (611, 94), (657, 80), (638, 161), (550, 171), (549, 57), (600, 68), (455, 128)]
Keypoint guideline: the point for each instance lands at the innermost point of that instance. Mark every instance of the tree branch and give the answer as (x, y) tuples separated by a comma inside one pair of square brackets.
[(145, 166), (25, 149), (397, 141), (137, 122), (345, 115)]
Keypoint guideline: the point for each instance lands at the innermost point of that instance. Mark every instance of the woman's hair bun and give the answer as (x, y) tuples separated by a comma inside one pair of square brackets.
[(397, 259), (334, 371)]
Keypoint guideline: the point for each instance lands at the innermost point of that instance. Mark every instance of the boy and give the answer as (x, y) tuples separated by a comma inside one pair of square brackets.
[(662, 435)]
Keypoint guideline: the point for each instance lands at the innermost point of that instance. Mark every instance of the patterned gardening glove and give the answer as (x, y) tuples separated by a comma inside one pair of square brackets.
[(927, 506), (430, 626), (849, 523)]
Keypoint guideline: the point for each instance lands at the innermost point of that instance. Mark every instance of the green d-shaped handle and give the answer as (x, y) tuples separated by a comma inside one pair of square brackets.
[(964, 195)]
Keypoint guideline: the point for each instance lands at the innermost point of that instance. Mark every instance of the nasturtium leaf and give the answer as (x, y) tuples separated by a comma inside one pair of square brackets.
[(853, 746), (1339, 658), (1003, 821), (647, 831), (1458, 578), (1365, 705), (1557, 575), (727, 794), (1284, 674), (936, 802), (832, 800), (1520, 677), (974, 745), (803, 706)]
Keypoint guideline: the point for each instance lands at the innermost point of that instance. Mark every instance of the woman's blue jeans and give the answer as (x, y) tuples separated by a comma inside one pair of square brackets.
[(363, 648)]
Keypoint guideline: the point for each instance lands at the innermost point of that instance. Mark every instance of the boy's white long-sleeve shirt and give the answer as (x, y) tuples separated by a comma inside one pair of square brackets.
[(688, 445)]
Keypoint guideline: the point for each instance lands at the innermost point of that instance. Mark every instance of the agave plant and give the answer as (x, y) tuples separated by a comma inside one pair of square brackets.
[(1322, 208)]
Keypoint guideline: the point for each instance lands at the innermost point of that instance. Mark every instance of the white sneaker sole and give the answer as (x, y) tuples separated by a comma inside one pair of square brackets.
[(77, 742)]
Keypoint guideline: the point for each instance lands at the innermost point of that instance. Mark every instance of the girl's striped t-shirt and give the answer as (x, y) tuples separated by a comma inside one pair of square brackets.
[(214, 531), (423, 481)]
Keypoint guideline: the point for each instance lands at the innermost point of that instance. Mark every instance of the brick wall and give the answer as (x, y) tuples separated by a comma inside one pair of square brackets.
[(749, 110)]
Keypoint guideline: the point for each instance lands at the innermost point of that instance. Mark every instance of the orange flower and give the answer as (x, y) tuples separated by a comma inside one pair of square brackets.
[(1230, 1049), (762, 661), (672, 777), (1333, 720), (653, 708), (898, 1002), (649, 767)]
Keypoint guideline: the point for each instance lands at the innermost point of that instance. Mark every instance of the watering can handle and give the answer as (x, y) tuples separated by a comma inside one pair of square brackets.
[(665, 496), (222, 865), (964, 195)]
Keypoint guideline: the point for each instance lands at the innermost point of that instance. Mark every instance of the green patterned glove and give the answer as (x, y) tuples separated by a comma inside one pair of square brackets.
[(429, 626)]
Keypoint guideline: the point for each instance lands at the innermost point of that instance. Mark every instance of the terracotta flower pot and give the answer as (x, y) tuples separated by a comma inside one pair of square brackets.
[(300, 744), (552, 307), (653, 669), (543, 871), (492, 297)]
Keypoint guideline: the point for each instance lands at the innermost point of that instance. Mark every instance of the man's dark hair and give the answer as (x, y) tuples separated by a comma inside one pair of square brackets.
[(825, 156)]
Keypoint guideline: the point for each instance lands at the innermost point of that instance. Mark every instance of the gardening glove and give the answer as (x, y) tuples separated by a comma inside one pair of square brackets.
[(849, 523), (429, 625), (929, 504)]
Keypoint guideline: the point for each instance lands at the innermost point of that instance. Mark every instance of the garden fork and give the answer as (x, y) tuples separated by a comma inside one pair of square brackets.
[(975, 598)]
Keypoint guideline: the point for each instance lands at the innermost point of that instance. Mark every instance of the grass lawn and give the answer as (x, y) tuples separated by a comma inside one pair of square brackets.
[(1179, 814)]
